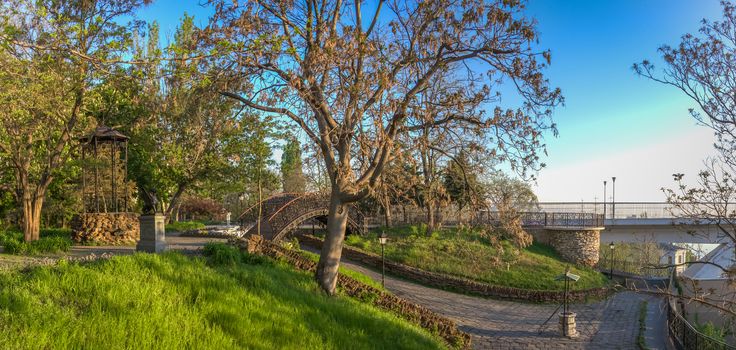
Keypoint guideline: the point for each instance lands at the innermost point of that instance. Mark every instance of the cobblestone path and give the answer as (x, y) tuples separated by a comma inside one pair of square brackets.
[(498, 324)]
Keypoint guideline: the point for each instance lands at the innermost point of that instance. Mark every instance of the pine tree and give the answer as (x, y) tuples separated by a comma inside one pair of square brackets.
[(291, 167)]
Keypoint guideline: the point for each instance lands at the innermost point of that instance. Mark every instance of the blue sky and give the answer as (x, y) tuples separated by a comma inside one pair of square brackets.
[(613, 122)]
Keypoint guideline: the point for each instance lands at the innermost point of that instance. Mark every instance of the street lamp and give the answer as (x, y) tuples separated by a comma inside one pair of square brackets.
[(383, 238), (604, 199), (613, 200), (612, 246)]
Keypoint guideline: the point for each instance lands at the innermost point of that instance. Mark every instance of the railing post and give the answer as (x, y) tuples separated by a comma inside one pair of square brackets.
[(545, 218)]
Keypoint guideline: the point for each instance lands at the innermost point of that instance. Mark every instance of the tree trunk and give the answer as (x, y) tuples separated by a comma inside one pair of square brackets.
[(329, 259), (32, 217), (387, 211), (430, 217)]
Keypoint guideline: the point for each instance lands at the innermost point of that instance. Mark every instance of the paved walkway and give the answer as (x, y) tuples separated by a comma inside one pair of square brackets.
[(498, 324)]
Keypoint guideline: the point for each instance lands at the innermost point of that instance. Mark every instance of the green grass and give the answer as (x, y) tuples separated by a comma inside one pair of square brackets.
[(347, 272), (466, 253), (183, 226), (642, 326), (52, 240), (169, 301)]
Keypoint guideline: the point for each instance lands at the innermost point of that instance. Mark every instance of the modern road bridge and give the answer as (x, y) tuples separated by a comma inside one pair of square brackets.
[(642, 222)]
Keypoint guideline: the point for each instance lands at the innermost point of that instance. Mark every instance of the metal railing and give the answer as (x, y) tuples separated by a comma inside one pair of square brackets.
[(546, 219), (684, 335), (618, 210)]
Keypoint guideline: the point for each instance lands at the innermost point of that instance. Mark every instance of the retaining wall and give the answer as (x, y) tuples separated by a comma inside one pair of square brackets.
[(109, 228)]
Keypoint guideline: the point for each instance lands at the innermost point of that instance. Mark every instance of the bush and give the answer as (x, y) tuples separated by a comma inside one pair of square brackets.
[(183, 226)]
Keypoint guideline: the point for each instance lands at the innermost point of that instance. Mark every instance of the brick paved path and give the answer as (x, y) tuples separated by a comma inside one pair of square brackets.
[(497, 324)]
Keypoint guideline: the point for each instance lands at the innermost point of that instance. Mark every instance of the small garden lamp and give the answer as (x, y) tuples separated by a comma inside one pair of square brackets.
[(383, 238), (612, 246)]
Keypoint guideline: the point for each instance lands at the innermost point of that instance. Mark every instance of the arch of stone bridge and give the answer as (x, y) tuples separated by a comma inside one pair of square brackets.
[(285, 212)]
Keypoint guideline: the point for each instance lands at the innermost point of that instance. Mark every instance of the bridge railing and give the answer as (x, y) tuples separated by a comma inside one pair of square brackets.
[(546, 219), (618, 210)]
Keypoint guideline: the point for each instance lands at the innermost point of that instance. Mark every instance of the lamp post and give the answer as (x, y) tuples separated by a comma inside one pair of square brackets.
[(604, 200), (613, 200), (383, 238), (612, 246)]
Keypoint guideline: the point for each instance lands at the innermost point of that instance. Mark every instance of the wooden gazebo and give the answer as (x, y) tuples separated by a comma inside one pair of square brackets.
[(108, 150), (106, 215)]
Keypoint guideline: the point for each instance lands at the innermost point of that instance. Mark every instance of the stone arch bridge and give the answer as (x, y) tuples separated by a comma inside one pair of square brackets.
[(285, 212)]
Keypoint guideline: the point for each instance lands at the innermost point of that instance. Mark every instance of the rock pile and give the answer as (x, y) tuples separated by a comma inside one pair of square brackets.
[(107, 228)]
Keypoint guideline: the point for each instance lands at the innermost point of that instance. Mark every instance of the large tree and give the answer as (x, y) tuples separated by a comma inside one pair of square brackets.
[(348, 78), (51, 52)]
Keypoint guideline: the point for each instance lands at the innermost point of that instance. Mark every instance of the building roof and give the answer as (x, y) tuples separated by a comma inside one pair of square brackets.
[(723, 256), (104, 133), (669, 247)]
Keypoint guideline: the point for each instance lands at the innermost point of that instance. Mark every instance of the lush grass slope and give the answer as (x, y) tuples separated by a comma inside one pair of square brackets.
[(50, 241), (170, 301), (468, 254)]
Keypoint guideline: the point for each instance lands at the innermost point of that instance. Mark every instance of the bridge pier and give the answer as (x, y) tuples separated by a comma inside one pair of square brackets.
[(578, 245)]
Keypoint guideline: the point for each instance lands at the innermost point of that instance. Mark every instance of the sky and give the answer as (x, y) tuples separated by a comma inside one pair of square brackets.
[(613, 123)]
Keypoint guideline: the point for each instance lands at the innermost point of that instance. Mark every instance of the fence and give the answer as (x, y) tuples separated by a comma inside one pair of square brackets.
[(631, 267), (687, 337), (485, 217)]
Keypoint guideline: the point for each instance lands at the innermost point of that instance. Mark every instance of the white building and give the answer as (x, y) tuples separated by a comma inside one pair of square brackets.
[(712, 284), (673, 255)]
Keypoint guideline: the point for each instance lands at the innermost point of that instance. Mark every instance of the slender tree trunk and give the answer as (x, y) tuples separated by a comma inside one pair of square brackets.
[(387, 211), (329, 260), (260, 203), (430, 217), (174, 201)]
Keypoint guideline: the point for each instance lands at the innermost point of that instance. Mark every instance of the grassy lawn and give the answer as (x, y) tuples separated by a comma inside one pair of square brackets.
[(51, 240), (183, 226), (169, 301), (468, 254)]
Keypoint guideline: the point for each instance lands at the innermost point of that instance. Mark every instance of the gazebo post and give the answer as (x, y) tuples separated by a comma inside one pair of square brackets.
[(125, 177), (84, 184), (97, 181), (113, 145)]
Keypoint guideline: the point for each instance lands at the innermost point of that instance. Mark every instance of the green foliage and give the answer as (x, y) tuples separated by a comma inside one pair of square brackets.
[(51, 241), (711, 330), (169, 301), (461, 182), (640, 341), (183, 226), (292, 178), (347, 272), (472, 254)]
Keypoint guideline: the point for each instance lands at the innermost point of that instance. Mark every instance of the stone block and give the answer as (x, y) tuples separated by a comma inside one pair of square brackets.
[(153, 234)]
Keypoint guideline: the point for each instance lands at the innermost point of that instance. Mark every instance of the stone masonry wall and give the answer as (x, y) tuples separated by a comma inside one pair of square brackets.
[(109, 228), (463, 285), (580, 247)]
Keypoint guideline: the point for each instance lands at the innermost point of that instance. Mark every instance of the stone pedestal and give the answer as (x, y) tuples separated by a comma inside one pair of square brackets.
[(567, 325), (153, 234)]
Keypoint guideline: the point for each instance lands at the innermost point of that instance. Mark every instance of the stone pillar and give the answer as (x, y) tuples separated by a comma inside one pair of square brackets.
[(568, 328), (577, 245), (153, 234)]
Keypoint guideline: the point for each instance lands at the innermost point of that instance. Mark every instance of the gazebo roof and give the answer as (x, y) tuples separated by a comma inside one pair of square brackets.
[(104, 133)]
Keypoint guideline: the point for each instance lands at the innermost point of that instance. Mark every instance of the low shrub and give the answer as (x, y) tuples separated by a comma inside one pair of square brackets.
[(51, 241), (183, 226)]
